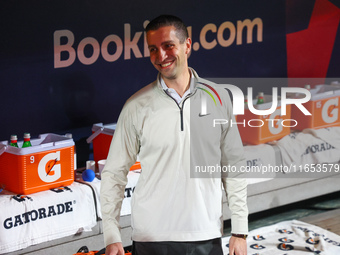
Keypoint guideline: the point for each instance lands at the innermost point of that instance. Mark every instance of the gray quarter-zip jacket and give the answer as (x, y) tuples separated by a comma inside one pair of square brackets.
[(178, 196)]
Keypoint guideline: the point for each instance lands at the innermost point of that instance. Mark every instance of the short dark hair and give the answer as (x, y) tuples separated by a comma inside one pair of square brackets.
[(169, 20)]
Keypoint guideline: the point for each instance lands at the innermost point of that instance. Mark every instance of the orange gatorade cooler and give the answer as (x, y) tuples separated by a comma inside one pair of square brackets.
[(101, 139), (257, 129), (324, 107), (47, 164)]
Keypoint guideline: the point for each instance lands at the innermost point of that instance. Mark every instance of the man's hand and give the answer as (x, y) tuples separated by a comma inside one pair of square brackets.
[(114, 249), (237, 246)]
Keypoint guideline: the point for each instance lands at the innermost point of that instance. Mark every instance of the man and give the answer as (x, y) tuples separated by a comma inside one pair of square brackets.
[(172, 213)]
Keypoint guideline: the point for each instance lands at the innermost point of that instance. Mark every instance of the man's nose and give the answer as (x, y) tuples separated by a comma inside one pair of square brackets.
[(161, 55)]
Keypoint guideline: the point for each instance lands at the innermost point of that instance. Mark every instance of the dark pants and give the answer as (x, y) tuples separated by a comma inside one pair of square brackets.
[(209, 247)]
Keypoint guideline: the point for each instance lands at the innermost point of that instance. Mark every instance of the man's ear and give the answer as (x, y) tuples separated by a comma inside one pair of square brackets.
[(188, 43)]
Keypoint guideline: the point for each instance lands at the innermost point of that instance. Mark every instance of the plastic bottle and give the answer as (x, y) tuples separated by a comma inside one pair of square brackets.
[(260, 99), (14, 141), (246, 102), (27, 140)]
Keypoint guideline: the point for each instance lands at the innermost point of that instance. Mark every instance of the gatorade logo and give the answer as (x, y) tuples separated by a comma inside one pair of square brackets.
[(38, 214), (285, 247), (285, 240), (314, 251), (49, 168), (330, 111), (257, 246), (276, 127), (285, 231), (312, 241), (22, 198), (61, 189), (258, 238)]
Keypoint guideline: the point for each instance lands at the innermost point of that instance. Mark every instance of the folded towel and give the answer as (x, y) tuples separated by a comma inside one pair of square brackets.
[(310, 147)]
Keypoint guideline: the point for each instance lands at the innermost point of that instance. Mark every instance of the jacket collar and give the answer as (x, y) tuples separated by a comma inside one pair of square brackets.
[(193, 88)]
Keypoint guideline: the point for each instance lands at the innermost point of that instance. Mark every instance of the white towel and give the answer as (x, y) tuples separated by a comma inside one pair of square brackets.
[(300, 149), (258, 157), (133, 177), (330, 135), (45, 216), (290, 237)]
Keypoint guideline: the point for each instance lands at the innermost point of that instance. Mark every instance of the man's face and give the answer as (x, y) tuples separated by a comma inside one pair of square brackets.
[(167, 54)]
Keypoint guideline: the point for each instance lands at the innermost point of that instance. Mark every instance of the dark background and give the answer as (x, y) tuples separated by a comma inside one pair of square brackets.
[(38, 98)]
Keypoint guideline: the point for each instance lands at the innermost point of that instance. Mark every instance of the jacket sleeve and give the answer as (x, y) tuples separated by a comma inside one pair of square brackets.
[(234, 182), (122, 155)]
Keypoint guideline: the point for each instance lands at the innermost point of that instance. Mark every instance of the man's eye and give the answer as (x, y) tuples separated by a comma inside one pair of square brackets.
[(169, 46), (152, 50)]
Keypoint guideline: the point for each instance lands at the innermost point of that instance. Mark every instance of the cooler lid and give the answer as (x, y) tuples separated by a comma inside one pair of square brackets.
[(99, 128)]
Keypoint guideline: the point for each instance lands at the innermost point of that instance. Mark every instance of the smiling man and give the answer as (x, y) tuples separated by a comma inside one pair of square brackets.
[(172, 212), (169, 49)]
